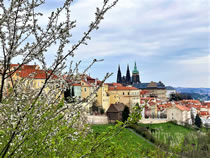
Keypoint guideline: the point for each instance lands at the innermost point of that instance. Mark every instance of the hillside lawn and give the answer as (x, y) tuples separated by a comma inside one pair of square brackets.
[(165, 132), (170, 128), (128, 140)]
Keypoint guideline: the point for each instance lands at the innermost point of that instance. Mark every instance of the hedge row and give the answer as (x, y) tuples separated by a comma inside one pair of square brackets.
[(144, 132)]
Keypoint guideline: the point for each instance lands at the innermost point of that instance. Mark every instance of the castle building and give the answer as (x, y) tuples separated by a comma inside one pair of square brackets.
[(155, 89)]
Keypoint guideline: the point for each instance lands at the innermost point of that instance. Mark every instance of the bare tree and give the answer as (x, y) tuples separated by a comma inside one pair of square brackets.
[(19, 24)]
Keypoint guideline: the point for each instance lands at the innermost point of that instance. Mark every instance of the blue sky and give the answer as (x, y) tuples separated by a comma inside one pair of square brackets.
[(169, 39)]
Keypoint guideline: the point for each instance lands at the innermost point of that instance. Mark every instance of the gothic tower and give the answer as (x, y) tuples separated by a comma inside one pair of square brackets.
[(128, 76), (119, 77), (135, 75)]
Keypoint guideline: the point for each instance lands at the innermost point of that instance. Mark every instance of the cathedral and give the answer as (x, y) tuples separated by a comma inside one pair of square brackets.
[(128, 80), (154, 89)]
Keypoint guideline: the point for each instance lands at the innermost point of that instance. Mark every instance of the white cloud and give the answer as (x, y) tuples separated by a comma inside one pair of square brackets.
[(154, 30)]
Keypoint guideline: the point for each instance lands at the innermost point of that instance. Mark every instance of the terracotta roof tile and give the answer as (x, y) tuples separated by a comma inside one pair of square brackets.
[(144, 92), (76, 84), (204, 113), (183, 108), (122, 88), (38, 74)]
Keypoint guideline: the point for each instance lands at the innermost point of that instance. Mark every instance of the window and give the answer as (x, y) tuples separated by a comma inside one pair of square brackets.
[(128, 93), (123, 93), (85, 89)]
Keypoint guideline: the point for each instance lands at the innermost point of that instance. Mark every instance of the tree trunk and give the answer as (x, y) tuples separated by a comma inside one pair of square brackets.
[(2, 87)]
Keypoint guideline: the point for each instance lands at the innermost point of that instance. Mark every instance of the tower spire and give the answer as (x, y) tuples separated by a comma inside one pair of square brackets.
[(135, 69), (135, 75), (119, 77), (128, 76)]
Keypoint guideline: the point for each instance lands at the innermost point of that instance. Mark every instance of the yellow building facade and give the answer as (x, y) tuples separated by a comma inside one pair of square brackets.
[(103, 98), (129, 96)]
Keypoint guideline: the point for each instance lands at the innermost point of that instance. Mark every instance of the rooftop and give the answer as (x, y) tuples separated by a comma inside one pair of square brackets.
[(122, 88)]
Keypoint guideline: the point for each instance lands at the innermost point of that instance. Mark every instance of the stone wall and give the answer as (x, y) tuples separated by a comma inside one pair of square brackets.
[(153, 121), (92, 119)]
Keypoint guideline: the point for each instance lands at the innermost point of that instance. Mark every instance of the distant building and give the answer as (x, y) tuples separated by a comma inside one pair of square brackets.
[(129, 96), (154, 89), (115, 112), (179, 113)]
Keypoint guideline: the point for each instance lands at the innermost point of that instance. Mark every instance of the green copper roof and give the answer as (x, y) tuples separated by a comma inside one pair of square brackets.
[(135, 71)]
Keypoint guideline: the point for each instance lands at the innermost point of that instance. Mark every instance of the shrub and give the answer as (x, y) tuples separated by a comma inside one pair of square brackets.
[(198, 121), (101, 111), (125, 113), (144, 132), (174, 122)]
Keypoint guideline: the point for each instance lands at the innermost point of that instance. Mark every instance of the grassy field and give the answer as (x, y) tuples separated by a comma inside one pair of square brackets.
[(169, 128), (169, 131), (136, 146), (128, 140)]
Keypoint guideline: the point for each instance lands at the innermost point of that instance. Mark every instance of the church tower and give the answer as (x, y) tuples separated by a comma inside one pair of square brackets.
[(135, 75), (128, 76), (119, 77)]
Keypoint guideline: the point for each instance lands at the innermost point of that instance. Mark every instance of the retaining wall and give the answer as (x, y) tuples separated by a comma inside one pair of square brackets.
[(97, 119), (154, 121)]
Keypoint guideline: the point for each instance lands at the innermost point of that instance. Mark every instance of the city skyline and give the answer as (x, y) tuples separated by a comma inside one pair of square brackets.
[(169, 40)]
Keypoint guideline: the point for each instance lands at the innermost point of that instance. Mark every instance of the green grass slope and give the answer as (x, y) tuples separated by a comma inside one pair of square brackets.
[(131, 143)]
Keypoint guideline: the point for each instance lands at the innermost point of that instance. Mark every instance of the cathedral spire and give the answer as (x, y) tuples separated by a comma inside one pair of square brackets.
[(128, 76), (135, 71), (119, 77), (135, 75)]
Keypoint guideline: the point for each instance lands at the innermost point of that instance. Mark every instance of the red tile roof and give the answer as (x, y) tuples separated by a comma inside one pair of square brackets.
[(183, 108), (207, 104), (203, 113), (117, 84), (144, 92), (76, 84), (38, 74), (190, 102), (122, 88), (26, 71)]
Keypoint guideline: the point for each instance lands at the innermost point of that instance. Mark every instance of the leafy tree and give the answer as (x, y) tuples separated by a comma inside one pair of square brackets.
[(94, 107), (125, 114), (179, 96), (101, 111), (198, 121)]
